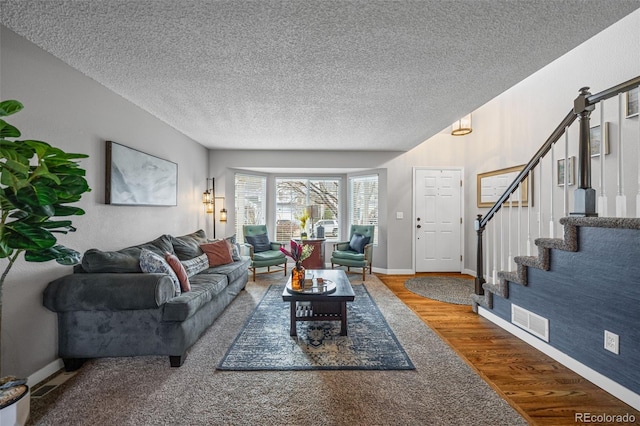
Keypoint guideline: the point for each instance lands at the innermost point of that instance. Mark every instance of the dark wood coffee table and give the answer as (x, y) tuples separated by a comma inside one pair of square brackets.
[(321, 307)]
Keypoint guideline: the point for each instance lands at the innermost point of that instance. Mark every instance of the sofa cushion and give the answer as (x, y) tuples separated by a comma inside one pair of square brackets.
[(196, 265), (179, 270), (203, 290), (151, 262), (126, 259), (188, 246), (349, 255), (259, 242), (232, 271), (217, 252), (358, 242)]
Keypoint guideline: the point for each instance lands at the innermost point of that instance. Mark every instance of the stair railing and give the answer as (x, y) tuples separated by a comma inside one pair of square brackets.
[(584, 196)]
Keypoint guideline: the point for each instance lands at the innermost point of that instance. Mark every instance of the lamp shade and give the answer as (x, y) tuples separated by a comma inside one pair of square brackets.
[(223, 215), (462, 127)]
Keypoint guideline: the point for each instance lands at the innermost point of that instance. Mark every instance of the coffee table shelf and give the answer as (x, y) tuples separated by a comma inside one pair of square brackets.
[(328, 306)]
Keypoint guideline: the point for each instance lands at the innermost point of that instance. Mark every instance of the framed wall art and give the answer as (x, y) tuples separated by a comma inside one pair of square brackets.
[(597, 139), (135, 178), (632, 103), (491, 186), (571, 174)]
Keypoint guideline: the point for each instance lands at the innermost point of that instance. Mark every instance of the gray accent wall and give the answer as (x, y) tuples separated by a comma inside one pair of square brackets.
[(73, 112)]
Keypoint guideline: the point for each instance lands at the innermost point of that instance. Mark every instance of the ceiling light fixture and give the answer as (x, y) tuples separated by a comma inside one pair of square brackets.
[(462, 127)]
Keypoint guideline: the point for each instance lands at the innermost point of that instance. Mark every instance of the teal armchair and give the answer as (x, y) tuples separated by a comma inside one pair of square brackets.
[(263, 252), (357, 252)]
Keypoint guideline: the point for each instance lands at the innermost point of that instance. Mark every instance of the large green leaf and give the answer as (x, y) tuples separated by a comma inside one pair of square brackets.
[(8, 131), (67, 211), (10, 107), (51, 225), (21, 235), (61, 254), (37, 195)]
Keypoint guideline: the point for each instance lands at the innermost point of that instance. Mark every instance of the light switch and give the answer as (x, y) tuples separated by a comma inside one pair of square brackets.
[(399, 215)]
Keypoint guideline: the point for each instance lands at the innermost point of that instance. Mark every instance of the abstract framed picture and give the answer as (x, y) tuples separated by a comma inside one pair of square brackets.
[(597, 139), (632, 103), (571, 171), (135, 178)]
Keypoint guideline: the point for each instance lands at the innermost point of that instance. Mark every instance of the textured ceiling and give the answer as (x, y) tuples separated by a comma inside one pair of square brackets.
[(335, 75)]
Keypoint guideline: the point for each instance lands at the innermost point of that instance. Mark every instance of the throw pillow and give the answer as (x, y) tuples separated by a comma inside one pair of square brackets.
[(151, 262), (358, 242), (217, 253), (259, 242), (196, 265), (179, 270), (188, 246), (234, 248)]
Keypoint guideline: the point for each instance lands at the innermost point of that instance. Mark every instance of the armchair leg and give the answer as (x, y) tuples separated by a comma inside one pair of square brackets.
[(285, 269), (364, 269), (254, 274)]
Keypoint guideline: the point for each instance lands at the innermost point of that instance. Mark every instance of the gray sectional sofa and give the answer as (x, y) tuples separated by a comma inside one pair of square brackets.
[(108, 307)]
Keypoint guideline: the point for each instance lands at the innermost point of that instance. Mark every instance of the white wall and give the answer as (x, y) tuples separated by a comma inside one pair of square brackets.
[(76, 114)]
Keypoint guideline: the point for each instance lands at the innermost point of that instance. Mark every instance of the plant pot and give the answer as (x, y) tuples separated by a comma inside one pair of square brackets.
[(15, 411)]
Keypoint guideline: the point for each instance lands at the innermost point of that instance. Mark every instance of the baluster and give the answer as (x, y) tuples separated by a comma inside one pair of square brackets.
[(529, 205), (502, 209), (638, 194), (565, 189), (495, 253), (539, 200), (519, 232), (552, 232), (602, 199), (621, 198), (509, 229), (487, 271)]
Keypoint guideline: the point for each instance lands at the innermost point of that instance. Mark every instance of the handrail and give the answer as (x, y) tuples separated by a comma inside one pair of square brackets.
[(555, 136), (613, 91)]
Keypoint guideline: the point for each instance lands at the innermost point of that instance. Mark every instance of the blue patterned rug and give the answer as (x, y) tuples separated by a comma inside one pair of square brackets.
[(264, 342)]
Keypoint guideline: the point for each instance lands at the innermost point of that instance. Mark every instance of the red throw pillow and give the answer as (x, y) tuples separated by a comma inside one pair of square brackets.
[(178, 268), (217, 252)]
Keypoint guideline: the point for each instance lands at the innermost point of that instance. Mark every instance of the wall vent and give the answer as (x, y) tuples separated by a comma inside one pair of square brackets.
[(534, 324)]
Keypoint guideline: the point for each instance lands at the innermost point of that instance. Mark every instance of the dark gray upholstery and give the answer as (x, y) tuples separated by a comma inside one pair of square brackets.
[(120, 312)]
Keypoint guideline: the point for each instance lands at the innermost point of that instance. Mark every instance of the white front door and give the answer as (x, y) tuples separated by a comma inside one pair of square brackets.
[(438, 220)]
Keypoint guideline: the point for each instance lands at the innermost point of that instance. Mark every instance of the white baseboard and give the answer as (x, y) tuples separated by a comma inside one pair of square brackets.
[(394, 271), (469, 272), (600, 380), (45, 372)]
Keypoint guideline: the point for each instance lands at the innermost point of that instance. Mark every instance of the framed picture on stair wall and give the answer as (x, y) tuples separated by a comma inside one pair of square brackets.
[(632, 102), (597, 141), (560, 171), (491, 186)]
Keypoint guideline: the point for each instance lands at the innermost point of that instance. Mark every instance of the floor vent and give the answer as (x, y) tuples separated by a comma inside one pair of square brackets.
[(534, 324), (52, 384)]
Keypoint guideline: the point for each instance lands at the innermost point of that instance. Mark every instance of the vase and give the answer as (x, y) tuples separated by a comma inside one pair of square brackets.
[(297, 277)]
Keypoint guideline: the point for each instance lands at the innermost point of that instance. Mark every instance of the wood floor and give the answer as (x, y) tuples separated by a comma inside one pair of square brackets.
[(541, 389)]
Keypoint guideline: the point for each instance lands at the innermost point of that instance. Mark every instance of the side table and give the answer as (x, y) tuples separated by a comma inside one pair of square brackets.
[(316, 260)]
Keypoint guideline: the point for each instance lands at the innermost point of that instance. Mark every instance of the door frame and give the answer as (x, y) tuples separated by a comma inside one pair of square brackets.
[(413, 214)]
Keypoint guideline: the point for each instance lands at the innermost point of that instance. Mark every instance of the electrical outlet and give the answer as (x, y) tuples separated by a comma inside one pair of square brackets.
[(611, 342)]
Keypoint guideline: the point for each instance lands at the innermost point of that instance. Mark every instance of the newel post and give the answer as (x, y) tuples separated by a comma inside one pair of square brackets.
[(584, 197), (479, 260)]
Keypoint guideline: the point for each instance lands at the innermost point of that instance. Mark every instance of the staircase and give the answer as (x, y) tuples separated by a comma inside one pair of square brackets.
[(582, 289)]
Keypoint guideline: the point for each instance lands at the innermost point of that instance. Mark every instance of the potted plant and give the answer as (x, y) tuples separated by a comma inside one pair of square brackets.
[(303, 218), (37, 182)]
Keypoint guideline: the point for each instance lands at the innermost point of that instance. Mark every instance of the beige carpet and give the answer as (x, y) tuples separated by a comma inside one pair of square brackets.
[(442, 390)]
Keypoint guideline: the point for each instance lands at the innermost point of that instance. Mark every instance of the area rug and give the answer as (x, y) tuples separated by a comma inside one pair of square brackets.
[(132, 391), (444, 289), (265, 344)]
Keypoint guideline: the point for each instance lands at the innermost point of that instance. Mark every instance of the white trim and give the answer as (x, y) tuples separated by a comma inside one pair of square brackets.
[(469, 272), (46, 371), (385, 271), (614, 388)]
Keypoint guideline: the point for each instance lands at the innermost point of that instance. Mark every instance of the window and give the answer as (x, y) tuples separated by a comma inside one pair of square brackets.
[(250, 205), (316, 196), (363, 202)]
